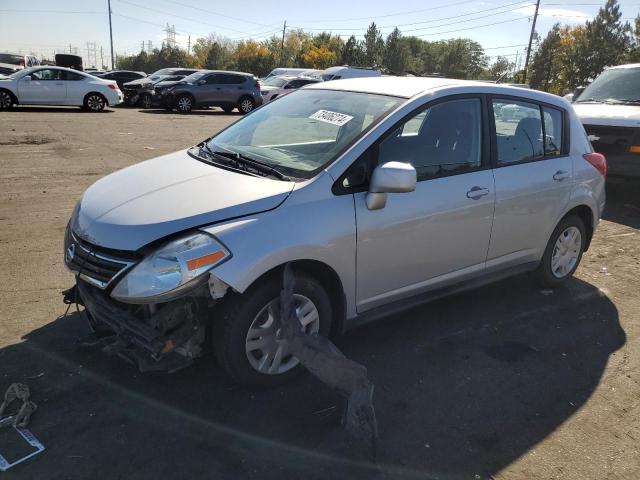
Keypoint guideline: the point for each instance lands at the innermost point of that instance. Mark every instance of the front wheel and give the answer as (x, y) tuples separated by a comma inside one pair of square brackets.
[(184, 104), (246, 105), (246, 338), (145, 101), (95, 102), (563, 253)]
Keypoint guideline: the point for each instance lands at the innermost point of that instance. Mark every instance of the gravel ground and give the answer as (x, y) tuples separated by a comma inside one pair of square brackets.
[(505, 382)]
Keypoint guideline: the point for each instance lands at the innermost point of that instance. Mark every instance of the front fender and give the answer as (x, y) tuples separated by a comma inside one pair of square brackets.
[(313, 224)]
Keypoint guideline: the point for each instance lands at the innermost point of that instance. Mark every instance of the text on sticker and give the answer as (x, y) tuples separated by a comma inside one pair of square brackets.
[(333, 118)]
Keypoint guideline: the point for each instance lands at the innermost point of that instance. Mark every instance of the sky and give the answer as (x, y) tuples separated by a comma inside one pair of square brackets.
[(502, 27)]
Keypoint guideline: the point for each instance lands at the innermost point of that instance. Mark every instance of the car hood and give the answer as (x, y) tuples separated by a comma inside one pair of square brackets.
[(609, 115), (167, 83), (148, 201), (139, 82)]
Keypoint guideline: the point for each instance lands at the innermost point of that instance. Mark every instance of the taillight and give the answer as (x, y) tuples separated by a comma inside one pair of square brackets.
[(598, 161), (112, 86), (257, 84)]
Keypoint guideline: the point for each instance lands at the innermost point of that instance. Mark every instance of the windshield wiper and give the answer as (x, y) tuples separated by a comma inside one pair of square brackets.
[(238, 158)]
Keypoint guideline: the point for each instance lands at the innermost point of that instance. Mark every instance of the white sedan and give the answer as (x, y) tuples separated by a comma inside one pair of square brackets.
[(46, 85)]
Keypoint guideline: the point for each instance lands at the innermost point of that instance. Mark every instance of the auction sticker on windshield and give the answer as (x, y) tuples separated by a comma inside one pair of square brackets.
[(333, 118)]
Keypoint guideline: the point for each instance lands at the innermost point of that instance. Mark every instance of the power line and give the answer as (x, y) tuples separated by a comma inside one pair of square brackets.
[(219, 14), (390, 14), (15, 10), (471, 28), (521, 3)]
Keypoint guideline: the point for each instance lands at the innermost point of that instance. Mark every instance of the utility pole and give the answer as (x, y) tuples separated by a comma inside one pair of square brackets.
[(189, 46), (284, 29), (101, 58), (533, 31), (142, 49), (111, 34)]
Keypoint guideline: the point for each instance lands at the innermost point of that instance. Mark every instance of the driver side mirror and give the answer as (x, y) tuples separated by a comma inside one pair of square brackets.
[(201, 82), (27, 78), (390, 177)]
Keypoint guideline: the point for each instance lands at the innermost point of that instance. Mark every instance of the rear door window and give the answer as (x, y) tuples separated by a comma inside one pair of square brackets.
[(518, 131)]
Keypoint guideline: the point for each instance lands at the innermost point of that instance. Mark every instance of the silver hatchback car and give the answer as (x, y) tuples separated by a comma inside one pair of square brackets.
[(382, 192)]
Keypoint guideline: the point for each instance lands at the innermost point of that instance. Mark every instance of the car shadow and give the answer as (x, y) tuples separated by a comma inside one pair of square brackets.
[(463, 387), (217, 112), (623, 201), (55, 109)]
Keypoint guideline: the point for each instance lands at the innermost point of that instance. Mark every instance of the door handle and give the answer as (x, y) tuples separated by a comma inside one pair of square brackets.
[(560, 175), (476, 192)]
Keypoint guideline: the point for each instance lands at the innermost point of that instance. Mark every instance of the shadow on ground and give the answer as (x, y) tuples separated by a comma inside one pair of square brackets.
[(205, 111), (623, 201), (62, 109), (464, 386)]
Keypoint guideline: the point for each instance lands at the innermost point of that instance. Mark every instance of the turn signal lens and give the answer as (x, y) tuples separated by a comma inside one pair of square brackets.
[(112, 86), (598, 161), (634, 148), (205, 260)]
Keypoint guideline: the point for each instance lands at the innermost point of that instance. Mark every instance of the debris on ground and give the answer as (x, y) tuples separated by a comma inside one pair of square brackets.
[(19, 420), (323, 359), (19, 392)]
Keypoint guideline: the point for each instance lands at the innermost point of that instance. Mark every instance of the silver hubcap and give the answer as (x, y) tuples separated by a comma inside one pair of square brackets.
[(5, 100), (566, 252), (266, 351), (146, 101), (246, 105), (184, 104), (95, 102)]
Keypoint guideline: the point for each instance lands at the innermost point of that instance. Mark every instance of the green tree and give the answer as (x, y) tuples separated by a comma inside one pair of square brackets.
[(373, 46), (396, 53), (545, 68), (501, 70), (352, 53)]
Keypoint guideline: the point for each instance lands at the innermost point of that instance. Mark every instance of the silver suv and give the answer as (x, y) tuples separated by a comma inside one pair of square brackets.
[(213, 88), (382, 192)]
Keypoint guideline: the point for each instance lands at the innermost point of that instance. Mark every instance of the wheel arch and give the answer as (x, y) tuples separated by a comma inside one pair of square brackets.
[(587, 215), (327, 277), (106, 100)]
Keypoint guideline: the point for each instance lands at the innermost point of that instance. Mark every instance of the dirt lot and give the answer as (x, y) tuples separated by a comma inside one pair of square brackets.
[(505, 382)]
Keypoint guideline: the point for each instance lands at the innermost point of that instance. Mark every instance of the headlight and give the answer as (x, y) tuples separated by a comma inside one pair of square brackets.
[(171, 270)]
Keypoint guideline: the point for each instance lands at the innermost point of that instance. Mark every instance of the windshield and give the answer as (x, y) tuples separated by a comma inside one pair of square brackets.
[(616, 85), (160, 73), (12, 59), (274, 82), (327, 76), (194, 77), (304, 131)]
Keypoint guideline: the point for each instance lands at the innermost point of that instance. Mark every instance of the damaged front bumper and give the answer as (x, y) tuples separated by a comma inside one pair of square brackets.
[(165, 336)]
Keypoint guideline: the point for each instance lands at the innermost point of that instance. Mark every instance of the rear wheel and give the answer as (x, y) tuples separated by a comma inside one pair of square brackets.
[(95, 102), (563, 253), (184, 104), (246, 338), (246, 105), (6, 100)]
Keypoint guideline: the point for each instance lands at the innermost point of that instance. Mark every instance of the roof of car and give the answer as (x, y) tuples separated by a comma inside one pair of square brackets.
[(408, 87)]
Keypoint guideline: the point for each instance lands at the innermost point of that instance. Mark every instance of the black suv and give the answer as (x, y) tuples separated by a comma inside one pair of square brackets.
[(214, 88), (133, 90)]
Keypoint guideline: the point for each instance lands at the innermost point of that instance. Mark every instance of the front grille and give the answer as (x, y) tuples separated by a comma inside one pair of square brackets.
[(97, 265)]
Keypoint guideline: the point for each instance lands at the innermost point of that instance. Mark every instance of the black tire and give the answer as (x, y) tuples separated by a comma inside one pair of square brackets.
[(144, 101), (7, 100), (236, 315), (245, 105), (546, 275), (95, 102), (227, 109), (184, 104)]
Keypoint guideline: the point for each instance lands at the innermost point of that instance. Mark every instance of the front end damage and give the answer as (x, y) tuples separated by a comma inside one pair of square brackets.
[(157, 337), (163, 336)]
